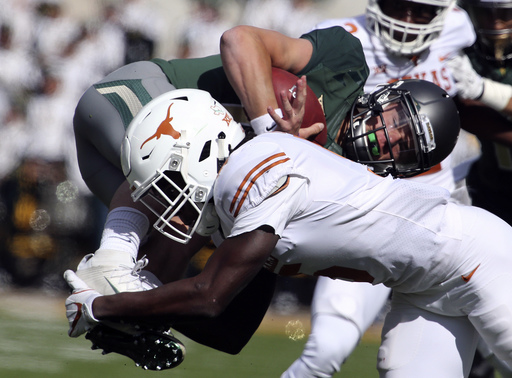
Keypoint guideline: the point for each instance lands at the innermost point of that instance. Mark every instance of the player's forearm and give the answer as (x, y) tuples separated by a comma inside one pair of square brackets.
[(232, 330), (247, 64), (170, 302)]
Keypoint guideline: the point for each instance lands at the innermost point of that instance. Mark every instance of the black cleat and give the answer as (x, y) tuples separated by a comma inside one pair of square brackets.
[(149, 349)]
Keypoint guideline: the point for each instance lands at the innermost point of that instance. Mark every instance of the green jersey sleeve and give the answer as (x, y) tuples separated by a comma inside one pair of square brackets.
[(336, 73)]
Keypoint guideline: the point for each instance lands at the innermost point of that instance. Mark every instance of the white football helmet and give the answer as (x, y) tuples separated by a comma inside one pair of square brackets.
[(171, 154), (407, 27)]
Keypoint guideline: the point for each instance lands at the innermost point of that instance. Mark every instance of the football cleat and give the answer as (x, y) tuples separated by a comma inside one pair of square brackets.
[(111, 272), (148, 348)]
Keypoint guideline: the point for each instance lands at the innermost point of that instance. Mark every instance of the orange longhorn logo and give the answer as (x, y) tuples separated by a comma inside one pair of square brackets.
[(165, 128)]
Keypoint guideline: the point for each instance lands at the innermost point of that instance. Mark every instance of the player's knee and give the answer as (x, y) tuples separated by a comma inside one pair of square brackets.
[(324, 356), (333, 339)]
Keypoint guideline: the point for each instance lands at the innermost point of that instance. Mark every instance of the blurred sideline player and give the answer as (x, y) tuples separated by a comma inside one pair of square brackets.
[(401, 39), (490, 178), (491, 58)]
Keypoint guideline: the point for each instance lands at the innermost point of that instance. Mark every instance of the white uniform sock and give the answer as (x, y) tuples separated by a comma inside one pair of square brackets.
[(124, 229)]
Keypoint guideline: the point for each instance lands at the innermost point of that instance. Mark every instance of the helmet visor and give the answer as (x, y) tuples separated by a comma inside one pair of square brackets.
[(390, 135), (387, 137)]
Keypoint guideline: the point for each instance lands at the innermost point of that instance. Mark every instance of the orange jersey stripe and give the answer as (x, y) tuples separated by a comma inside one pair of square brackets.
[(434, 169), (253, 180), (246, 178), (246, 192)]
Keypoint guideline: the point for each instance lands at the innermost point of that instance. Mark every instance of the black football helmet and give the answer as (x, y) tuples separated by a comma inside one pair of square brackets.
[(402, 129), (492, 20)]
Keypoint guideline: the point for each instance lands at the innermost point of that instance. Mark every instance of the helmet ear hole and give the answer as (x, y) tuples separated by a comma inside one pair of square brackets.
[(205, 153)]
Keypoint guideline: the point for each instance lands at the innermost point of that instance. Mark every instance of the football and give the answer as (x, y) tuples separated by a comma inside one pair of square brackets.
[(284, 80)]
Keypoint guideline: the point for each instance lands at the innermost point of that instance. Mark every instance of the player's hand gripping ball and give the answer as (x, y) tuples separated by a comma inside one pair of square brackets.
[(284, 80)]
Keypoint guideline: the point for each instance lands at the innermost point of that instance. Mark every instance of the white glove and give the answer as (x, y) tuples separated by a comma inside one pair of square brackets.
[(79, 305), (470, 85)]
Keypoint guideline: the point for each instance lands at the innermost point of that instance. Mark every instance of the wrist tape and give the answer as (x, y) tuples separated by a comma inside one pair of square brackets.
[(496, 95), (265, 123)]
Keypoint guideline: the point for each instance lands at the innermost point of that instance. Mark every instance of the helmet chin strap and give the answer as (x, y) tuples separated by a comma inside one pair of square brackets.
[(209, 222)]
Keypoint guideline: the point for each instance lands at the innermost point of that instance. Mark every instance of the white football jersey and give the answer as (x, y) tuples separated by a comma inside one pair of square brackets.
[(385, 67), (335, 218), (430, 65)]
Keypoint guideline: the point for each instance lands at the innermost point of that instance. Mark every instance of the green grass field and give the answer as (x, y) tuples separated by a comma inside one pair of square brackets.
[(34, 343)]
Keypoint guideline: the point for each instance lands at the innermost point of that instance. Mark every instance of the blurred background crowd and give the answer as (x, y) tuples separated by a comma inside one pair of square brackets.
[(51, 51)]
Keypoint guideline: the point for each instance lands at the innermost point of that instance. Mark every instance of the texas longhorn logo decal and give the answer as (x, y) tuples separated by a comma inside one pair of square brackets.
[(165, 128)]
